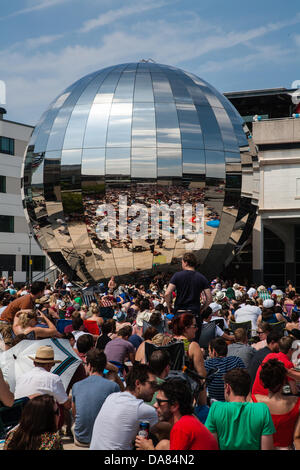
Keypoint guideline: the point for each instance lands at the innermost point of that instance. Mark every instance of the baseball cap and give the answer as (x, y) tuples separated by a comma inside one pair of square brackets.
[(215, 307), (268, 303)]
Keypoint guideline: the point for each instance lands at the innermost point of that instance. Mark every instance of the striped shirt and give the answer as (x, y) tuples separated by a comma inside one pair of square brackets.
[(264, 295), (224, 364), (107, 302)]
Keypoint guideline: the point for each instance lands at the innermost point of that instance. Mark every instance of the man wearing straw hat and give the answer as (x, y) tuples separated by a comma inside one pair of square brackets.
[(40, 381)]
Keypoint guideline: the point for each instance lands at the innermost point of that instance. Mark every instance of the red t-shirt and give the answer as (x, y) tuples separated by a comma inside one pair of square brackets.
[(190, 434), (258, 388)]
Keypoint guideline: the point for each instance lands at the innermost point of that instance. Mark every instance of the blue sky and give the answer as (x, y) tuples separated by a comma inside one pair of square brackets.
[(48, 44)]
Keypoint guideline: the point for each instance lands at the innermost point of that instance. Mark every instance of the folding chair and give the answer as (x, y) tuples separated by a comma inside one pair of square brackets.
[(278, 326), (176, 351)]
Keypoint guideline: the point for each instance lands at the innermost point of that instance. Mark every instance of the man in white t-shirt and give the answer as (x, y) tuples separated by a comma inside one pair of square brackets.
[(40, 381), (117, 423), (246, 312)]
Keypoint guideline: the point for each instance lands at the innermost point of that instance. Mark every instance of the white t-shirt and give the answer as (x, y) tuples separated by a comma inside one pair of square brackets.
[(117, 423), (39, 381), (247, 313)]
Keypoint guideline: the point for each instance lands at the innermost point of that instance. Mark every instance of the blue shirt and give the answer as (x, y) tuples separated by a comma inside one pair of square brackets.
[(89, 395), (224, 364)]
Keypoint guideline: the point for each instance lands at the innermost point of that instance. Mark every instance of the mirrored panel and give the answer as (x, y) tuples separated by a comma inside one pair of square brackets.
[(106, 91), (143, 131), (117, 162), (124, 89), (144, 163), (169, 163), (190, 129), (211, 132), (119, 125), (161, 88), (93, 162), (168, 133), (96, 128), (143, 90), (226, 128), (193, 162), (76, 127)]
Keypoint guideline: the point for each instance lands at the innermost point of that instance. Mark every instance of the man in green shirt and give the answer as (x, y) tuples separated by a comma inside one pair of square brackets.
[(237, 423)]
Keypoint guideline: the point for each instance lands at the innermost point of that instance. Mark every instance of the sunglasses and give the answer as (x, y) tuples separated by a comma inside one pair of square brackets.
[(159, 401)]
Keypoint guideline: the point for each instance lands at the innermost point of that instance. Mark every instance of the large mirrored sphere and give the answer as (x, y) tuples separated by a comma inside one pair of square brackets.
[(156, 135)]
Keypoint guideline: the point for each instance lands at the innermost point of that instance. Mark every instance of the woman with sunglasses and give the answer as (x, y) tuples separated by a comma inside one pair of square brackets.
[(38, 427), (262, 332)]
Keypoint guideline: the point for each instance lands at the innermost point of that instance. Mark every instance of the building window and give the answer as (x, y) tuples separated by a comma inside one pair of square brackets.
[(7, 263), (274, 259), (7, 223), (7, 145), (2, 184), (38, 263)]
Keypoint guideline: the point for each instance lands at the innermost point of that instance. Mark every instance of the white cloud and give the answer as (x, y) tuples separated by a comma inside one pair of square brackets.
[(41, 5), (34, 43), (297, 39), (113, 15), (34, 80)]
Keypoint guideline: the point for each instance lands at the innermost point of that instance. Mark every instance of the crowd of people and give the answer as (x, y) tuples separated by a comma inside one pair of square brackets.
[(179, 362)]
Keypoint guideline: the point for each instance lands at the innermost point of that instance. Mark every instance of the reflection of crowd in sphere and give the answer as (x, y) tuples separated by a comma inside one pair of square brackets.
[(148, 195)]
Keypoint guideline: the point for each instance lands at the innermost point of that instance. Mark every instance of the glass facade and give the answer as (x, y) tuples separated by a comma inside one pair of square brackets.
[(144, 131)]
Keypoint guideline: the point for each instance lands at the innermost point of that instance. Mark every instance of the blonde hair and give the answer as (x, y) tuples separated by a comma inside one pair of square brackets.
[(25, 317), (161, 340)]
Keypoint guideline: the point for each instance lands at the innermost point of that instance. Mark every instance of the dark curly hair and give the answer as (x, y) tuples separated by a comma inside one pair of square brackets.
[(273, 375), (177, 391)]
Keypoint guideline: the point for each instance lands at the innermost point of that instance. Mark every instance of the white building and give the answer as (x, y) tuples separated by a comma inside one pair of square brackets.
[(273, 252), (15, 241)]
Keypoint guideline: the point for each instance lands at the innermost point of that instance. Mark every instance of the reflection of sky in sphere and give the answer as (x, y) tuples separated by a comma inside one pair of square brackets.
[(142, 129)]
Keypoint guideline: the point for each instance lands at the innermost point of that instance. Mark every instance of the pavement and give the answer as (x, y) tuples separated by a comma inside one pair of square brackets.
[(68, 444)]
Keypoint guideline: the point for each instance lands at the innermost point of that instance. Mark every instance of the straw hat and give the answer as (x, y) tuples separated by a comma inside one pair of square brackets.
[(44, 355)]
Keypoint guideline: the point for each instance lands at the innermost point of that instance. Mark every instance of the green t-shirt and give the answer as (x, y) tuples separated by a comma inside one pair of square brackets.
[(239, 426), (78, 301)]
